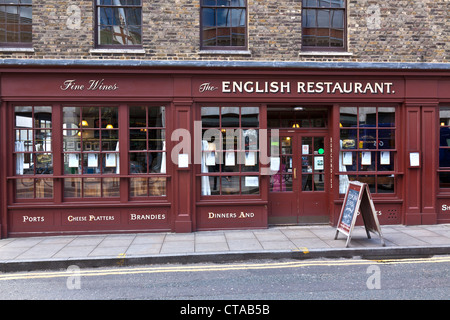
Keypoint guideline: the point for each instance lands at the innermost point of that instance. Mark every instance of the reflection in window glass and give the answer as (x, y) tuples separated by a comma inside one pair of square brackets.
[(119, 23), (16, 23), (224, 24), (323, 24)]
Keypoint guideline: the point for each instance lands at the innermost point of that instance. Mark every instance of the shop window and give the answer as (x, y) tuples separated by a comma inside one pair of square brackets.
[(230, 150), (91, 152), (368, 148), (119, 23), (444, 148), (323, 25), (16, 23), (223, 24), (147, 155), (33, 152)]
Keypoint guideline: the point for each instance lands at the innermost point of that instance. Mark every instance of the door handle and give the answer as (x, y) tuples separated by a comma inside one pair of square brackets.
[(295, 173)]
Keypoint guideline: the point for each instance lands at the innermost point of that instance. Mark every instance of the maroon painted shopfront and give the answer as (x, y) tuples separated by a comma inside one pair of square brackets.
[(135, 149)]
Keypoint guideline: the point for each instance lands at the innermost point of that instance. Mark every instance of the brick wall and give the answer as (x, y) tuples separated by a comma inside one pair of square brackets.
[(378, 31)]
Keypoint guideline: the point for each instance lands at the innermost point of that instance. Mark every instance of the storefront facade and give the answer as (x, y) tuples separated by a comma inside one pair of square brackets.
[(187, 147)]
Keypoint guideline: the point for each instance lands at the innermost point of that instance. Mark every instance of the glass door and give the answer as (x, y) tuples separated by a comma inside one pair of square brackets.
[(298, 191)]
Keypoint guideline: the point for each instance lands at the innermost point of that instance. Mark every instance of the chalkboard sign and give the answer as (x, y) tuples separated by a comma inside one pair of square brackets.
[(350, 206), (358, 200)]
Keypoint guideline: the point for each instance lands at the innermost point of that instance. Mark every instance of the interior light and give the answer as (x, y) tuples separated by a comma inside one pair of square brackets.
[(109, 126), (84, 123)]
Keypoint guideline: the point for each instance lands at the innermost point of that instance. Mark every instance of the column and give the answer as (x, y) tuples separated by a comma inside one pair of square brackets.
[(182, 142)]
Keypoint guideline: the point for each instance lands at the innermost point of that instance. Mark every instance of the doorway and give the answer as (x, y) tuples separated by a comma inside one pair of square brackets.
[(299, 190)]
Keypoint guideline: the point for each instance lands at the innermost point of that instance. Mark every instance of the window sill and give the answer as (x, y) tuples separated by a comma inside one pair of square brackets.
[(225, 52), (109, 51), (326, 53), (13, 49)]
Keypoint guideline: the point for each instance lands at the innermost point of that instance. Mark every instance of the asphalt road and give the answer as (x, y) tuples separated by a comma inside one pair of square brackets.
[(346, 279)]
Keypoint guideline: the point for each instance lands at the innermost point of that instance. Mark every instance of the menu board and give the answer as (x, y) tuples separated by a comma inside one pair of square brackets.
[(358, 199), (350, 207)]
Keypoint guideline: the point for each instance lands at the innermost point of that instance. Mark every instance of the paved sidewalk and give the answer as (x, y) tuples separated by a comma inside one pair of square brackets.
[(290, 242)]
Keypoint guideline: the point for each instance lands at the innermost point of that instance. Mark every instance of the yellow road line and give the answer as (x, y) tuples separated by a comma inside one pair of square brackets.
[(202, 268)]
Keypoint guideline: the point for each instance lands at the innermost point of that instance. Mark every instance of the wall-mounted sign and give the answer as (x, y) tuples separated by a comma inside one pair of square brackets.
[(414, 159), (318, 163), (90, 85), (298, 87)]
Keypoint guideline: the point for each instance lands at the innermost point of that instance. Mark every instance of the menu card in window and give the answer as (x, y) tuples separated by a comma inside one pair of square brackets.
[(250, 158), (230, 159), (110, 161), (366, 158), (74, 160), (92, 160), (385, 158)]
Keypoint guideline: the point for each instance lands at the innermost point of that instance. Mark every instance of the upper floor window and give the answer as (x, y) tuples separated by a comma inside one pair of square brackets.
[(224, 24), (119, 23), (15, 23), (323, 25)]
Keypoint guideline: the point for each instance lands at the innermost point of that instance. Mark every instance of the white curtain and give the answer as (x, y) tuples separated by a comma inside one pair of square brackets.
[(163, 159), (20, 157), (343, 179), (117, 159), (206, 187)]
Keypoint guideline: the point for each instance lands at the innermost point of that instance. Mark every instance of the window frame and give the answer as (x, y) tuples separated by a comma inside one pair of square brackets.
[(97, 24), (375, 152), (58, 144), (85, 177), (442, 170), (35, 176), (239, 150), (329, 48), (217, 47), (20, 44), (152, 178)]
